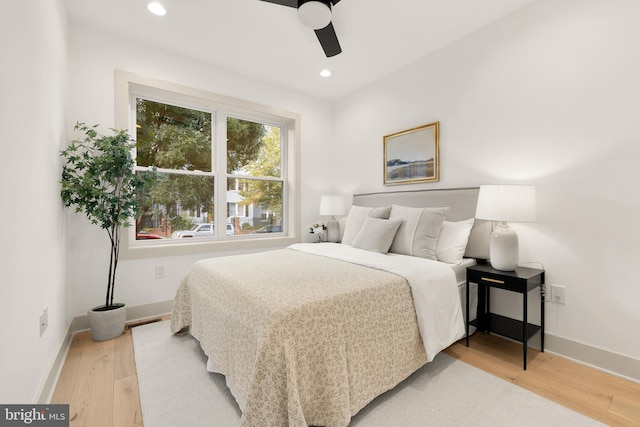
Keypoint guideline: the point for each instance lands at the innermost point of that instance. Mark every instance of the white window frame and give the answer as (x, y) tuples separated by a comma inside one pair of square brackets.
[(129, 85)]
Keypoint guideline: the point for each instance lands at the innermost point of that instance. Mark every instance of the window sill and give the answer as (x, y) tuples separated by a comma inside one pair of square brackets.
[(152, 250)]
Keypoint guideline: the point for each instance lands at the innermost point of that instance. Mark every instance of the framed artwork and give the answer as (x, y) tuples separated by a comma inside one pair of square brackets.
[(412, 155)]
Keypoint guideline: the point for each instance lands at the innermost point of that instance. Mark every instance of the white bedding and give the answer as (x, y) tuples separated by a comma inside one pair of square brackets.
[(433, 286), (461, 270)]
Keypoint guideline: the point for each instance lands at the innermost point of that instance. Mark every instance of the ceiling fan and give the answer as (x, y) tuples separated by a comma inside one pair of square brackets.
[(316, 14)]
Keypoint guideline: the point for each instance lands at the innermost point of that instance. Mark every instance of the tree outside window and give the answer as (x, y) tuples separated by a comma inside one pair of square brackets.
[(180, 143)]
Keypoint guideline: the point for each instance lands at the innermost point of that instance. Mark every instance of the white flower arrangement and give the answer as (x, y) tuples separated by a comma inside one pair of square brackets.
[(319, 229)]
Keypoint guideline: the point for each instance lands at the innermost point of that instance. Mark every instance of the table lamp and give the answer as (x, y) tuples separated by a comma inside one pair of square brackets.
[(503, 203), (333, 205)]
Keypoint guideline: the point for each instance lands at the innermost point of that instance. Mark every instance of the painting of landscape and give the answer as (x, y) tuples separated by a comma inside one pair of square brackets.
[(412, 155)]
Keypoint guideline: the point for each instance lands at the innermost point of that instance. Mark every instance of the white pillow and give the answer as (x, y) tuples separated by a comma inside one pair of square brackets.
[(452, 241), (418, 233), (376, 234), (356, 218)]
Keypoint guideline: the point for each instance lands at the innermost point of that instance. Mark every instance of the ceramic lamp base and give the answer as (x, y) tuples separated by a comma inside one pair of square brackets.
[(503, 250), (333, 230)]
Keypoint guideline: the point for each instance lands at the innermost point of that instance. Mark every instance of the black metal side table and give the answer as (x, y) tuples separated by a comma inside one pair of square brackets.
[(522, 280)]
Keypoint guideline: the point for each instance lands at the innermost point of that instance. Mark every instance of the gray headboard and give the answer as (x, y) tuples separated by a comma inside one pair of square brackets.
[(461, 201)]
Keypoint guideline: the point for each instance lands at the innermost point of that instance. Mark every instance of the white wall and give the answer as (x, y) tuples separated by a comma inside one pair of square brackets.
[(32, 108), (93, 58), (547, 96)]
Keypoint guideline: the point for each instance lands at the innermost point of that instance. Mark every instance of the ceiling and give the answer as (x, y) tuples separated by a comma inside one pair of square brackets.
[(266, 41)]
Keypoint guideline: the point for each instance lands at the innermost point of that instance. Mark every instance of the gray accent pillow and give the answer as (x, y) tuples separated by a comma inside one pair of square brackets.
[(376, 234), (418, 233), (479, 239), (382, 212), (356, 218)]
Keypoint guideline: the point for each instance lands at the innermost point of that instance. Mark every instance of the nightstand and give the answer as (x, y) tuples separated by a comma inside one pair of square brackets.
[(522, 280)]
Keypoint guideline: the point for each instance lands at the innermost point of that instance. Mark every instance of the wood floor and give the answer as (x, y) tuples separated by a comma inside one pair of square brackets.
[(606, 398), (99, 381)]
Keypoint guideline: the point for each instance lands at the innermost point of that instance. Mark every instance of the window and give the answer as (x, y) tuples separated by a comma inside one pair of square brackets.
[(214, 162), (254, 183), (178, 142)]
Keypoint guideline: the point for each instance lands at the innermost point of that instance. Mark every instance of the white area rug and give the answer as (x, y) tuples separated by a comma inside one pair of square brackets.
[(177, 390)]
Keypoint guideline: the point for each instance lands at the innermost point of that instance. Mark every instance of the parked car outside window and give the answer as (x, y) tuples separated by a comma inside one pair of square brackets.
[(270, 229), (147, 235), (202, 230)]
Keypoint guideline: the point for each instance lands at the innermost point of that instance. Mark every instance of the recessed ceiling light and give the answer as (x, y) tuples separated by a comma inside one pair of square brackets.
[(156, 8), (325, 73)]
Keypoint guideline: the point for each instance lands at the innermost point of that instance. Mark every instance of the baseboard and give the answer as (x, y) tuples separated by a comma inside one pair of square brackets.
[(80, 324), (604, 360), (45, 393), (140, 312)]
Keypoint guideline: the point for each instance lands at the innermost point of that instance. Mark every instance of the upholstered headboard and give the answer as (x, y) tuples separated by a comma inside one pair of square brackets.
[(461, 201)]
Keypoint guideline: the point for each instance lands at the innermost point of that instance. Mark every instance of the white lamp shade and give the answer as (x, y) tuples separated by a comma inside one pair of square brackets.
[(514, 203), (314, 14), (333, 205)]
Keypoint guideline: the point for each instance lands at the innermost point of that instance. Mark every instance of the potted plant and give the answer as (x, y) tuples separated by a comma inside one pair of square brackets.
[(98, 180)]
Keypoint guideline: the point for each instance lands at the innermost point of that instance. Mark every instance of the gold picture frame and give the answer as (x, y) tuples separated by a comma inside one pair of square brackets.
[(412, 155)]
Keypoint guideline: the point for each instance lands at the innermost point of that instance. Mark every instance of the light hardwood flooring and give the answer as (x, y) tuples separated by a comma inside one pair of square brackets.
[(601, 396), (99, 381)]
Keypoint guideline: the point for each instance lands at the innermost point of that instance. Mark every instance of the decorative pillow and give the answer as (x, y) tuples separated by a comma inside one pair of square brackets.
[(356, 218), (479, 238), (382, 212), (452, 241), (376, 234), (418, 233)]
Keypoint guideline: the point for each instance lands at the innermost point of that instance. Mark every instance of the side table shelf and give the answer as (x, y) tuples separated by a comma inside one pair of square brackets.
[(508, 327)]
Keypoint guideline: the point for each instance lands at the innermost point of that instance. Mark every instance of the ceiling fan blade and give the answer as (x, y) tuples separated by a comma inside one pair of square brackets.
[(335, 2), (290, 3), (329, 40)]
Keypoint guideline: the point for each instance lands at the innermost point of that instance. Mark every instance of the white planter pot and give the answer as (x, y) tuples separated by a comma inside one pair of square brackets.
[(107, 324)]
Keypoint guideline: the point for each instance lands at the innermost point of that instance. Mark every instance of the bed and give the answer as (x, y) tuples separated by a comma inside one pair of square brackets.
[(310, 334)]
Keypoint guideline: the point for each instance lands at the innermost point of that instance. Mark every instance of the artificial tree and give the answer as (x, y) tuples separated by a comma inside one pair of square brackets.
[(99, 180)]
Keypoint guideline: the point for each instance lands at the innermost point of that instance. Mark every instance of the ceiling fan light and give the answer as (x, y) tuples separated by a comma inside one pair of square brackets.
[(314, 14)]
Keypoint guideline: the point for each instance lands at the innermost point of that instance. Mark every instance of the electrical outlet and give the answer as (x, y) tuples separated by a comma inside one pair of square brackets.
[(44, 320), (558, 294), (159, 271)]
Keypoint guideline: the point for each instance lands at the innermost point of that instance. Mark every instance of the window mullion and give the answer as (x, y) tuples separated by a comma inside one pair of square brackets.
[(220, 164)]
